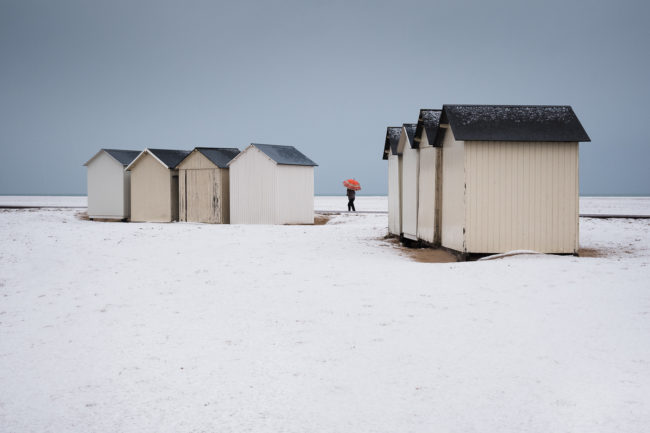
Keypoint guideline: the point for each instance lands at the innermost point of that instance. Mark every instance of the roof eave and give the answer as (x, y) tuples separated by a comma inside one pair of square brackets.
[(137, 158)]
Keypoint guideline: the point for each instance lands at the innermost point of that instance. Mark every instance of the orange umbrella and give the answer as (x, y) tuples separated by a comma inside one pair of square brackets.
[(352, 184)]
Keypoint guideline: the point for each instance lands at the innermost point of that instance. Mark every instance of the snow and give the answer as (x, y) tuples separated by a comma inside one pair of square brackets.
[(39, 200), (615, 205), (588, 205), (361, 203), (131, 327)]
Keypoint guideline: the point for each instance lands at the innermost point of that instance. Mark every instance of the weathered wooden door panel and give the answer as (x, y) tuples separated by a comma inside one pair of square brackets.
[(203, 196)]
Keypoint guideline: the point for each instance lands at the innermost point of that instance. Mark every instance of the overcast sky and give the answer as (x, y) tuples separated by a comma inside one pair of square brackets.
[(327, 77)]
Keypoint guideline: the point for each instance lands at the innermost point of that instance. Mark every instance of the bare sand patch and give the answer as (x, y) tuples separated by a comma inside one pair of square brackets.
[(592, 252), (421, 255), (321, 219)]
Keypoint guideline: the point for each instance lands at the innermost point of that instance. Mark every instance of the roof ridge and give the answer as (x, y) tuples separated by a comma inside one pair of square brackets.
[(505, 105)]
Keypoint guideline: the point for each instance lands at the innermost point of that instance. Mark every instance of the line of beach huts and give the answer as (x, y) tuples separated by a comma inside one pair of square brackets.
[(263, 184), (474, 179), (485, 179)]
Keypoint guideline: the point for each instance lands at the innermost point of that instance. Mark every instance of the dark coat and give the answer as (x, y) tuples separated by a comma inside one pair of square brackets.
[(351, 194)]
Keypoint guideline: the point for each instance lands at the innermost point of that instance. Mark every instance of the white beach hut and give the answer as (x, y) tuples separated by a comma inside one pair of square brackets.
[(509, 178), (271, 184), (203, 185), (429, 172), (410, 173), (109, 185), (394, 179), (154, 185)]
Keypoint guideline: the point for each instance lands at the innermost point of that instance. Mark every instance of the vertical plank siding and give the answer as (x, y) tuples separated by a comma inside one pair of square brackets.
[(263, 192), (225, 195), (394, 193), (108, 188), (394, 211), (453, 193), (427, 194), (521, 195), (151, 191), (201, 195), (203, 191), (253, 189), (295, 189), (182, 195), (410, 174)]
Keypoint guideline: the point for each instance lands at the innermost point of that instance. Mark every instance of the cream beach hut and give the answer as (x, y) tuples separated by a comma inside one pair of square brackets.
[(429, 171), (271, 184), (394, 179), (109, 184), (409, 190), (154, 185), (203, 185), (509, 178)]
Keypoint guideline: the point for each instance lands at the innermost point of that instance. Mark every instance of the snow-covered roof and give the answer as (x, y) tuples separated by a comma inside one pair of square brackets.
[(392, 140), (428, 121), (284, 155), (124, 157), (514, 123), (219, 156), (410, 133)]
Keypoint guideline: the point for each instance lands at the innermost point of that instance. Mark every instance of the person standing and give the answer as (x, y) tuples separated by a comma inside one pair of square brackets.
[(351, 196)]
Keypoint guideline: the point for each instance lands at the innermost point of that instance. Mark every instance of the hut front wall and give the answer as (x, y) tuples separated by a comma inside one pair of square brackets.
[(126, 191), (521, 196), (410, 174), (253, 189), (196, 161), (201, 191), (453, 193), (427, 188), (394, 192), (427, 194), (295, 186), (151, 191), (107, 186)]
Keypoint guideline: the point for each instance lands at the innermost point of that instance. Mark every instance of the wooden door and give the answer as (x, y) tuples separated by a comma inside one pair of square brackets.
[(203, 196)]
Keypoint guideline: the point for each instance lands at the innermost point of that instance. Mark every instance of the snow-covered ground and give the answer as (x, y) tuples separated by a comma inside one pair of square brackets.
[(125, 327), (44, 200), (615, 205), (588, 205), (361, 203)]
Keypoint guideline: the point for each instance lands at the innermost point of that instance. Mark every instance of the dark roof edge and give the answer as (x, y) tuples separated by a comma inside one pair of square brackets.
[(387, 144), (578, 134)]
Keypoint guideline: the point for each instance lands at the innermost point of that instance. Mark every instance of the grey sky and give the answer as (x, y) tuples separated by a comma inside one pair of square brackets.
[(326, 77)]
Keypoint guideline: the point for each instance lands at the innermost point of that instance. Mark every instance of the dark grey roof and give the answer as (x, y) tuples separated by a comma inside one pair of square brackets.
[(428, 121), (514, 123), (125, 157), (170, 157), (220, 156), (285, 155), (392, 140), (410, 133)]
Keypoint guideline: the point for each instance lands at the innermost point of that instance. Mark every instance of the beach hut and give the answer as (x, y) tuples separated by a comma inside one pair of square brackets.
[(203, 185), (509, 178), (109, 185), (271, 184), (410, 172), (154, 185), (429, 172), (394, 179)]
